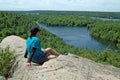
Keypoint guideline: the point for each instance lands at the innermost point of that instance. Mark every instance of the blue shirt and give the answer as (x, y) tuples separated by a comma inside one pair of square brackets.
[(34, 42)]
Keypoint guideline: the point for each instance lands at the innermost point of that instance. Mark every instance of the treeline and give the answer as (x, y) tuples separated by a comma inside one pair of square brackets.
[(106, 30), (65, 20)]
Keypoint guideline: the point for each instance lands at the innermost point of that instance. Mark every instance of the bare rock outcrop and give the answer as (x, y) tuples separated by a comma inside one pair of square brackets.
[(15, 43), (65, 67)]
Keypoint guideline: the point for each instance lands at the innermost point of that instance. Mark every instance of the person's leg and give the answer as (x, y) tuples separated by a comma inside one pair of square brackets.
[(53, 53)]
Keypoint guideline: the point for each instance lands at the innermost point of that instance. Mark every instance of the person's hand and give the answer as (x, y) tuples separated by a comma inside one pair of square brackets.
[(28, 64)]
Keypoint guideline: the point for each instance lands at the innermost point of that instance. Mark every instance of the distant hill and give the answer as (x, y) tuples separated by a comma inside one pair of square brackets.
[(81, 13)]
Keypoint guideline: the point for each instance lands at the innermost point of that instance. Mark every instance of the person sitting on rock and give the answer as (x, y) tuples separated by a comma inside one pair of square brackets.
[(34, 51)]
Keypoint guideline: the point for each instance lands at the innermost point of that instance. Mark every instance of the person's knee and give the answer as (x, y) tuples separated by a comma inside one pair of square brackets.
[(49, 49)]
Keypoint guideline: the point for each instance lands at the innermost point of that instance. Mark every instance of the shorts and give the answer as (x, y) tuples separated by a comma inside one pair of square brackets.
[(41, 60)]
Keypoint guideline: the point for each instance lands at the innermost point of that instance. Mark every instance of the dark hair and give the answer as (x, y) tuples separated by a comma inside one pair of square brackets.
[(33, 31)]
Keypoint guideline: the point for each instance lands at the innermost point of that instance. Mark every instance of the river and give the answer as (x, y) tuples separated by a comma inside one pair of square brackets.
[(77, 36), (106, 19)]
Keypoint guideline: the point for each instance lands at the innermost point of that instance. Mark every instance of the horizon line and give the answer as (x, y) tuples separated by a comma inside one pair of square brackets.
[(61, 10)]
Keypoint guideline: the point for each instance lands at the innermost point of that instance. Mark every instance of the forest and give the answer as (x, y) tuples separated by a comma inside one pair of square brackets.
[(19, 24)]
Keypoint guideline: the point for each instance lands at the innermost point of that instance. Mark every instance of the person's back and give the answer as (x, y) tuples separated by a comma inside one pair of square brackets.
[(34, 42)]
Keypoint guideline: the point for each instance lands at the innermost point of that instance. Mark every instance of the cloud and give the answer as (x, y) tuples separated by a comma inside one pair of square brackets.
[(80, 5)]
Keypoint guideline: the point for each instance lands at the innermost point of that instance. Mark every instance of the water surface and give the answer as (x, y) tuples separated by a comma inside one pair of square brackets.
[(77, 36)]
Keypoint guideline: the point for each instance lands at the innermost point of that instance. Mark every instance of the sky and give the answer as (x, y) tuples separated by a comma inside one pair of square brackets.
[(61, 5)]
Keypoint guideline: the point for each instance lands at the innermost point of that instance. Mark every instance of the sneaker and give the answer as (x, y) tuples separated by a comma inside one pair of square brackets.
[(64, 53)]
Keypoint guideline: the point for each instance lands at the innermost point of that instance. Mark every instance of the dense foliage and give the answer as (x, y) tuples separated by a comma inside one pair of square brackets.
[(19, 24), (13, 24), (65, 20), (106, 30), (7, 58)]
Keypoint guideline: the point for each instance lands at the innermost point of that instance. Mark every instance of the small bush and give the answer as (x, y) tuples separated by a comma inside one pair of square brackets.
[(7, 58)]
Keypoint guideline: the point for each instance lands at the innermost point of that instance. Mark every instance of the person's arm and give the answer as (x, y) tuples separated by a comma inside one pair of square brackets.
[(32, 51), (25, 55), (31, 55)]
